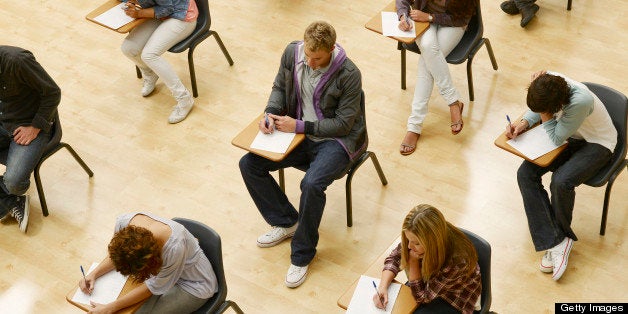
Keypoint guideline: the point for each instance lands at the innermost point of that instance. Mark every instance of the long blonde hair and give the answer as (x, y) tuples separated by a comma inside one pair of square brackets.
[(444, 244)]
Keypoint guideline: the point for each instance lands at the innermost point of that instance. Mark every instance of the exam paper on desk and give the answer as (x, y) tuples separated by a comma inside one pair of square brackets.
[(114, 17), (276, 142), (362, 300), (390, 26), (533, 143), (106, 289)]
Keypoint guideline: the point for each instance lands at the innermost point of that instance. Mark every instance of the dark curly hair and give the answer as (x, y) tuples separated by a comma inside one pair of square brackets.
[(134, 252), (548, 93)]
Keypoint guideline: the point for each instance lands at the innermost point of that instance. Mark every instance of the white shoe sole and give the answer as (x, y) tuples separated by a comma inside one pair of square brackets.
[(296, 283), (271, 244), (563, 264)]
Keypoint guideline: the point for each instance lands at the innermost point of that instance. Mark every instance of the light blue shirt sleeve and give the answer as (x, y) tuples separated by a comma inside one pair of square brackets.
[(573, 114)]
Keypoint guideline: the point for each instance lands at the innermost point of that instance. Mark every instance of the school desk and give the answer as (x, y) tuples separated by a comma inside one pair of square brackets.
[(106, 6), (375, 24), (543, 161), (246, 137)]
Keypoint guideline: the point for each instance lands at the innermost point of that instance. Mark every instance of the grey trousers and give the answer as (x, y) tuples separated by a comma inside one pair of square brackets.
[(175, 301)]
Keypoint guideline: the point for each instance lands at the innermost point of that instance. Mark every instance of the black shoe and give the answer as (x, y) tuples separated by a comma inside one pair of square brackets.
[(3, 214), (20, 212), (509, 7), (527, 14)]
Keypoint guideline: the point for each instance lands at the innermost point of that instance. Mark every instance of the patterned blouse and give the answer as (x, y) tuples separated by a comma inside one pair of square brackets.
[(450, 284)]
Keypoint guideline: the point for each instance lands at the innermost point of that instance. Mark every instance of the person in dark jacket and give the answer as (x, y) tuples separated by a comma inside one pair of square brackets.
[(28, 105), (317, 92)]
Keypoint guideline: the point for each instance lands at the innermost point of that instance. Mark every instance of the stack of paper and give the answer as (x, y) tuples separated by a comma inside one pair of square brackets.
[(533, 143), (106, 289), (362, 300)]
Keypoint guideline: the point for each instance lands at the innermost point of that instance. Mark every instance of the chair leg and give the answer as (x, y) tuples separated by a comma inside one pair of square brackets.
[(378, 168), (222, 47), (470, 77), (490, 53), (227, 304), (40, 191), (138, 72), (78, 159), (348, 195), (568, 5), (282, 181), (192, 72), (403, 69), (607, 196)]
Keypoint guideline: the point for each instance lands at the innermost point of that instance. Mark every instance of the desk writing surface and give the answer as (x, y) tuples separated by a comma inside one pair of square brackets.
[(106, 6), (375, 24), (128, 286), (542, 161), (245, 138), (405, 301)]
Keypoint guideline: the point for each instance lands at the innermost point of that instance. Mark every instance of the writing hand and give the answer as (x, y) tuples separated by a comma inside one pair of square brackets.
[(515, 129), (267, 129), (24, 135), (380, 299), (284, 123), (404, 23), (87, 284)]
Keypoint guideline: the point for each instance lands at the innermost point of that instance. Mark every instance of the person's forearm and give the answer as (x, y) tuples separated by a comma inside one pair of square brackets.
[(104, 267), (387, 278), (138, 294)]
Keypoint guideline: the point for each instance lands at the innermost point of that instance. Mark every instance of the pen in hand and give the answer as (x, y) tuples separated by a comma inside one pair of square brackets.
[(266, 122), (381, 299), (509, 124)]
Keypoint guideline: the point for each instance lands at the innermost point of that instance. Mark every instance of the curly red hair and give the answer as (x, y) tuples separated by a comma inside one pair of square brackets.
[(135, 252)]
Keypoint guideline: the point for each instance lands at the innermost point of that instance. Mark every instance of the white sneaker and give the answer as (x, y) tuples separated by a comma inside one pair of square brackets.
[(296, 276), (148, 86), (547, 262), (181, 110), (560, 253), (275, 236)]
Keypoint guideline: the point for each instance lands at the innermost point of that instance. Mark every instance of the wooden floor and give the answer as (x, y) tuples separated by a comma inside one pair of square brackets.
[(191, 169)]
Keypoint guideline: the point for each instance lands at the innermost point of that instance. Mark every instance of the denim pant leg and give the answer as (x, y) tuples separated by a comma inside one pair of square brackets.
[(521, 4), (586, 160), (329, 159), (20, 163), (270, 200)]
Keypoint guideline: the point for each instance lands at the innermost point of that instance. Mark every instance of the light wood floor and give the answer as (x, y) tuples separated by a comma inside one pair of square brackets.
[(190, 169)]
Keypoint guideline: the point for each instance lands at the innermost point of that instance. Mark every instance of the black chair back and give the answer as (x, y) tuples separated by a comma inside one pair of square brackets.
[(203, 22), (210, 242), (616, 104), (483, 248), (55, 137), (470, 40)]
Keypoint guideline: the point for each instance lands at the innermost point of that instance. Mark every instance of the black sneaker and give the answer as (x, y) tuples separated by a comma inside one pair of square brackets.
[(509, 7), (527, 14), (20, 212), (3, 214)]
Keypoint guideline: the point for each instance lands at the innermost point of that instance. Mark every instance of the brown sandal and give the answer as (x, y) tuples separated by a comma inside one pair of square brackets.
[(459, 122), (412, 147)]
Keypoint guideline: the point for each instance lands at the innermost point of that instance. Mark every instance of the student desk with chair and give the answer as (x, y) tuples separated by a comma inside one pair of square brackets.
[(375, 24), (245, 138), (405, 302), (104, 8)]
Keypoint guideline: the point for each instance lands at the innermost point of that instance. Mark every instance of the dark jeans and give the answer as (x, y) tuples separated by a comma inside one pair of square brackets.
[(437, 306), (20, 161), (327, 160), (549, 220)]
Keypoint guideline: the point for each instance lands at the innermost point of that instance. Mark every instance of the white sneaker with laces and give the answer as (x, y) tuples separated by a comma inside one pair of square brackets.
[(560, 253), (148, 86), (181, 110), (296, 276), (275, 236), (547, 262)]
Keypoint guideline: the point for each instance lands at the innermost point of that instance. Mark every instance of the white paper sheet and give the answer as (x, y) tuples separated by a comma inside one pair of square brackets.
[(106, 289), (114, 17), (276, 142), (534, 143), (390, 26), (362, 300)]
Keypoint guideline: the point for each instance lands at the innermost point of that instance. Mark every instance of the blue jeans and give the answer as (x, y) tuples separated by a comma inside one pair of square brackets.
[(549, 220), (325, 161), (20, 161)]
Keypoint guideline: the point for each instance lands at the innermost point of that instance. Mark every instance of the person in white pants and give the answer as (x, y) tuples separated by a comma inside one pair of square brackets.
[(145, 44), (448, 20)]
